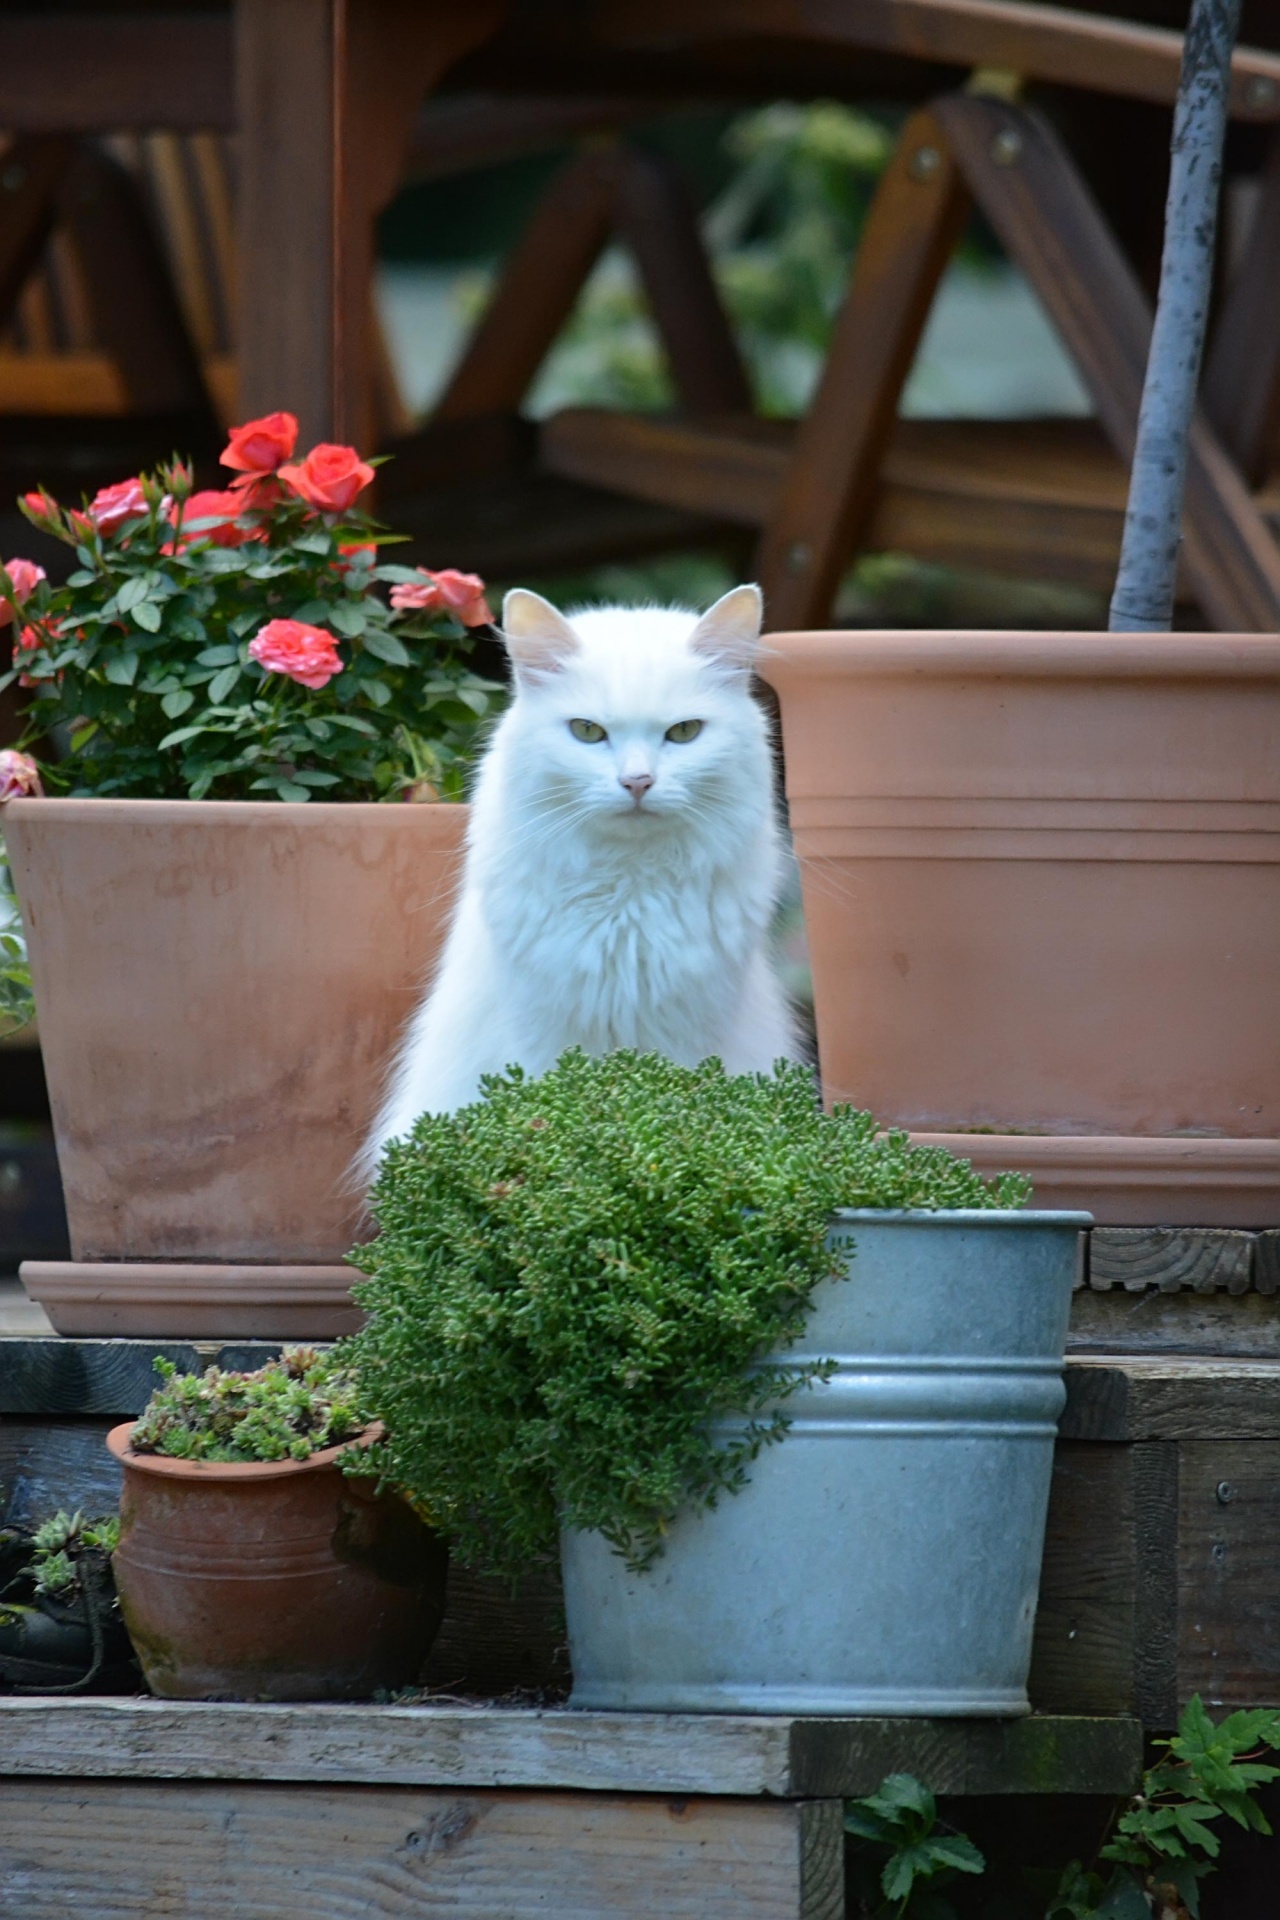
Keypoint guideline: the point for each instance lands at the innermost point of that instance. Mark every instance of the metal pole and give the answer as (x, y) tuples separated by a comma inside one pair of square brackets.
[(1147, 577)]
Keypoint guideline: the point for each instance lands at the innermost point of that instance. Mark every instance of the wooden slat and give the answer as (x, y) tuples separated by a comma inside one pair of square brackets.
[(68, 1376), (48, 1464), (1154, 1323), (31, 172), (1082, 1656), (1040, 42), (1206, 1259), (832, 480), (657, 220), (1241, 383), (1030, 190), (455, 134), (1266, 1261), (486, 1747), (1228, 1642), (61, 383), (1185, 1397), (537, 289), (97, 72), (110, 1852)]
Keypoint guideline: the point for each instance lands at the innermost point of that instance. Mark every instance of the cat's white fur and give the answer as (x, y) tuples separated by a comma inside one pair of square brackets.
[(597, 914)]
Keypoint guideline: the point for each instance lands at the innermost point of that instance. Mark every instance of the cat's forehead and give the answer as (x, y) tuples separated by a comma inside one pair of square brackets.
[(636, 660)]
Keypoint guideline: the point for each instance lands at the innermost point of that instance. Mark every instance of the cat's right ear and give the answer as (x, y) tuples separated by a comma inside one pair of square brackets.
[(539, 638)]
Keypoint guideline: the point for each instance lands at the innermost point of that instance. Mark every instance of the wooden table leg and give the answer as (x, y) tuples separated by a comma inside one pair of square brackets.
[(327, 91)]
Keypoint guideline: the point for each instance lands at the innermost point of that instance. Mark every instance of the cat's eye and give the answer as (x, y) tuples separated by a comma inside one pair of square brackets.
[(587, 730), (684, 730)]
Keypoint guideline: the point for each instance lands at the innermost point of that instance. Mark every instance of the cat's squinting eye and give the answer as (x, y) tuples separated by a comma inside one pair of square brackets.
[(587, 730), (684, 730)]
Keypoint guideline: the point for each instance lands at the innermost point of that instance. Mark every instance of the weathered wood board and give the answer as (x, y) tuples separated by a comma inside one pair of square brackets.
[(108, 1851), (489, 1748)]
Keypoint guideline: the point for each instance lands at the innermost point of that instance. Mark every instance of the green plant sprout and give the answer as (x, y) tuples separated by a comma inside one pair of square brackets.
[(908, 1854)]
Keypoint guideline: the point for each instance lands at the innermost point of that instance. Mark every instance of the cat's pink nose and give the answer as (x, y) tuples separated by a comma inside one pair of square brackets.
[(636, 784)]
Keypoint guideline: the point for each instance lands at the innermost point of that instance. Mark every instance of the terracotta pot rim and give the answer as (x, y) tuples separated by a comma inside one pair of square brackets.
[(111, 805), (165, 1468), (1007, 654)]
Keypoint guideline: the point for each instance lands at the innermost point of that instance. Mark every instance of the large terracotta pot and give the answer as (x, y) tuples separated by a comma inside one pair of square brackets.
[(1041, 879), (220, 985), (279, 1581)]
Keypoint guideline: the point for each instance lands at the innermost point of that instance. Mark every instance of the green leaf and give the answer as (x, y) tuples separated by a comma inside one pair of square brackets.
[(350, 619), (122, 669), (290, 790), (174, 704), (958, 1851), (312, 777), (182, 733), (147, 615), (1124, 1900), (82, 578), (388, 647), (132, 592), (217, 656), (313, 613), (321, 543), (376, 690), (222, 683)]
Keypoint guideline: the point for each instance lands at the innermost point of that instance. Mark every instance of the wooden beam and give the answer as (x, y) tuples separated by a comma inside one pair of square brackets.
[(137, 315), (31, 173), (1242, 370), (657, 220), (915, 220), (1038, 42), (459, 132), (1028, 187), (537, 289), (109, 72), (1205, 1259)]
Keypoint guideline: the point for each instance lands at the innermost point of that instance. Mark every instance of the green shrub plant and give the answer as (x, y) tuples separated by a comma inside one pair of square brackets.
[(286, 1410), (576, 1277)]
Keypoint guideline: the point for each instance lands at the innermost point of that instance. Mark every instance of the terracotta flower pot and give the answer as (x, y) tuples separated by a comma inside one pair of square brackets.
[(220, 985), (280, 1581), (1042, 894)]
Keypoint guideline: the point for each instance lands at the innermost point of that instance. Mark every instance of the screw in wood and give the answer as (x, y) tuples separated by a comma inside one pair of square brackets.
[(1006, 148), (925, 164), (1225, 1492)]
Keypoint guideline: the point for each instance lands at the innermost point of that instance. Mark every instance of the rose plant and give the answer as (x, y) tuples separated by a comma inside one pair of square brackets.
[(238, 644)]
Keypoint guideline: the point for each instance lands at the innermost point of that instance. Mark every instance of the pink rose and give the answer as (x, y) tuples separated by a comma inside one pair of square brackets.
[(222, 509), (260, 446), (330, 478), (42, 510), (112, 506), (19, 775), (24, 576), (306, 654), (462, 594), (81, 525)]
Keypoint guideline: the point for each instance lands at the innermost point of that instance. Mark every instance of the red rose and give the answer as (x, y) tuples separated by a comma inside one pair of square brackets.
[(24, 577), (462, 594), (112, 506), (306, 654), (81, 525), (42, 510), (29, 638), (221, 510), (19, 775), (330, 478), (260, 446)]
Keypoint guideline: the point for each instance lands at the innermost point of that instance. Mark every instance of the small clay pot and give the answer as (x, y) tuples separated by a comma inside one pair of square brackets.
[(279, 1580)]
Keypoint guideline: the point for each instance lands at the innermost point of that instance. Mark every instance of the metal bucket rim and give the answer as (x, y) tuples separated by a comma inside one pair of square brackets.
[(966, 1216)]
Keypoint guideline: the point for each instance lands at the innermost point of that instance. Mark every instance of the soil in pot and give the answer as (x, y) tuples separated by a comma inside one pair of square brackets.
[(286, 1580)]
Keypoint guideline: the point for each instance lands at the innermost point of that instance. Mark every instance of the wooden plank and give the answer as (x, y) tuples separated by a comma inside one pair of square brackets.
[(1039, 42), (457, 133), (488, 1747), (1228, 1573), (494, 1642), (98, 72), (658, 221), (31, 172), (1167, 1397), (1030, 190), (832, 480), (137, 315), (1156, 1541), (1266, 1261), (1082, 1660), (537, 289), (109, 1852), (116, 1377), (1205, 1259), (45, 1465), (1153, 1323), (1241, 384)]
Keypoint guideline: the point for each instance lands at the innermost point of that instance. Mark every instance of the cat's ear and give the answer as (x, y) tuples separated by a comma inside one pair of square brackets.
[(730, 630), (539, 638)]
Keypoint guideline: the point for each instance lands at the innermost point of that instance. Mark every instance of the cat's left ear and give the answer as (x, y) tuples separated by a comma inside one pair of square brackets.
[(539, 638), (730, 630)]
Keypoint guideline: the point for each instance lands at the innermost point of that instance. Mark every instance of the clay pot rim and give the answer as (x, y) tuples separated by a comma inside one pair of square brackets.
[(112, 807), (1007, 654), (161, 1465)]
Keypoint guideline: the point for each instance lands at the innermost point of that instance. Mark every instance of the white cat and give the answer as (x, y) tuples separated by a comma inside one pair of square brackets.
[(622, 861)]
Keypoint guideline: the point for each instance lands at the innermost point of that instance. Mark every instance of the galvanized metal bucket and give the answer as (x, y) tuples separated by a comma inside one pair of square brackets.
[(884, 1558)]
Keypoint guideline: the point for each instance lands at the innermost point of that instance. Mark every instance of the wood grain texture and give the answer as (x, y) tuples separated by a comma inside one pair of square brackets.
[(69, 1376), (47, 1464), (1151, 1322), (100, 73), (1266, 1262), (832, 478), (1029, 188), (112, 1852), (1082, 1658), (1155, 1468), (1228, 1573), (1170, 1397), (486, 1747), (1204, 1259), (1241, 382), (493, 1641)]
